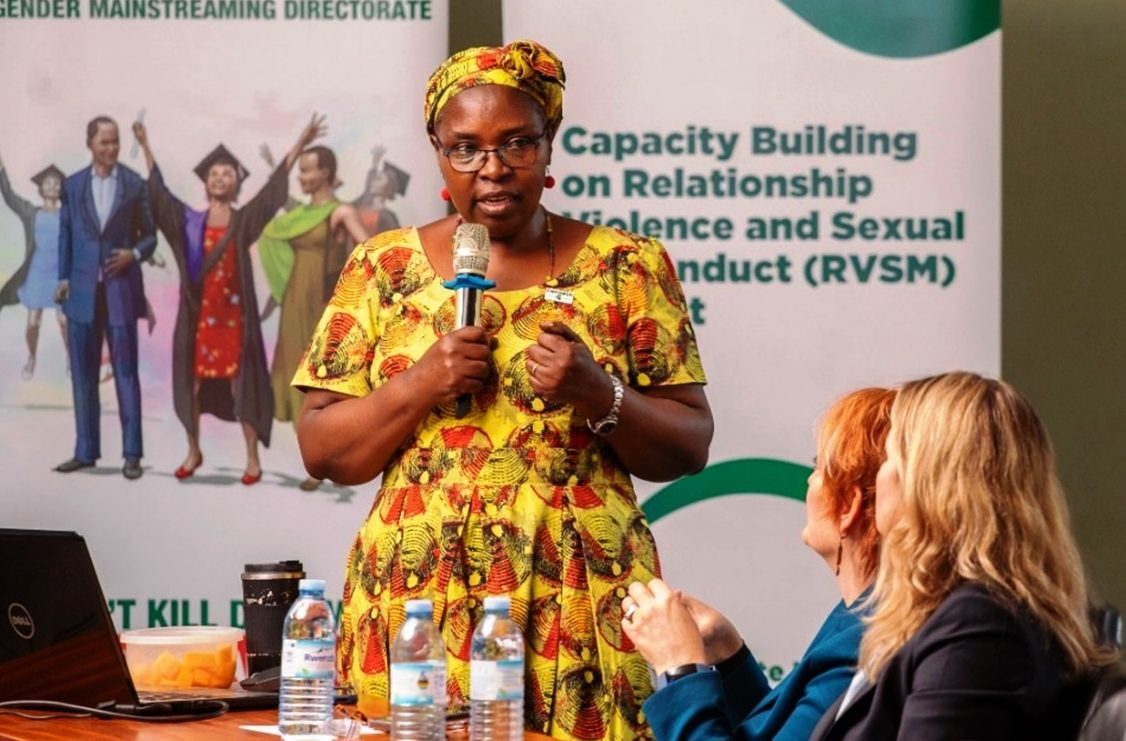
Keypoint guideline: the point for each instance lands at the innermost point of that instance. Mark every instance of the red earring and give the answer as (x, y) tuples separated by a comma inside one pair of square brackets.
[(549, 181), (445, 193)]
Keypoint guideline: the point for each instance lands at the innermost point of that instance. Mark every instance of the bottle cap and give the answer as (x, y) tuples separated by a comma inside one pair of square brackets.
[(419, 607), (311, 585), (498, 604)]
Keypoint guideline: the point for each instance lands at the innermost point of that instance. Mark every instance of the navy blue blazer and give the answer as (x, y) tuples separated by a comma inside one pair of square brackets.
[(84, 246), (738, 702), (976, 669)]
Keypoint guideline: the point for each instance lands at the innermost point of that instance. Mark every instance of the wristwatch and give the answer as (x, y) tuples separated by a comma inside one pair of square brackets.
[(609, 423), (664, 679)]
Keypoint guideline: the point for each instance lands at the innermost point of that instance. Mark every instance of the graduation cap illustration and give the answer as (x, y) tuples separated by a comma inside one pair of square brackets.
[(220, 155), (398, 178), (49, 171)]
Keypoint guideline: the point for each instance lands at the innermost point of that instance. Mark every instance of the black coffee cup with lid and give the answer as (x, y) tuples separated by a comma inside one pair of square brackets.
[(268, 590)]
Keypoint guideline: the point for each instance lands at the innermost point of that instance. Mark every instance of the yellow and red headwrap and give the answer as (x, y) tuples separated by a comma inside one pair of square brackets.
[(524, 65)]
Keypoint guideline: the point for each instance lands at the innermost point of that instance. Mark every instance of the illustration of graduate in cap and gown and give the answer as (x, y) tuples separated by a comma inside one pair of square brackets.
[(218, 357), (33, 284), (382, 185)]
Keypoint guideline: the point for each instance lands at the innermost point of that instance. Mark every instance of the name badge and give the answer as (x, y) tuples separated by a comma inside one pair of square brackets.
[(558, 296)]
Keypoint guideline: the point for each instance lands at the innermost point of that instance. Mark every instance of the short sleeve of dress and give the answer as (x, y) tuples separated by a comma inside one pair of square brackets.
[(660, 340), (340, 354)]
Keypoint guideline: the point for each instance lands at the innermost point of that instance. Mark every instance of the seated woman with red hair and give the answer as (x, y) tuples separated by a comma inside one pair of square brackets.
[(709, 684), (979, 627)]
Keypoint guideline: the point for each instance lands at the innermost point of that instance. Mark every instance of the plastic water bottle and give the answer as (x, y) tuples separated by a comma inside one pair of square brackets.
[(496, 676), (418, 677), (308, 666)]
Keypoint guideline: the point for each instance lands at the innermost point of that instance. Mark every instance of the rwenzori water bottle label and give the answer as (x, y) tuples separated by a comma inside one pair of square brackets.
[(308, 659), (418, 683), (496, 680)]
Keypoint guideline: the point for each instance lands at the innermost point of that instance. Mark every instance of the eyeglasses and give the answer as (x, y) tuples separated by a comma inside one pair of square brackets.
[(520, 151)]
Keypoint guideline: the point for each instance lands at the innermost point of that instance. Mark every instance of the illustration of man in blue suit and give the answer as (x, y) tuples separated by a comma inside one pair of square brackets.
[(106, 230)]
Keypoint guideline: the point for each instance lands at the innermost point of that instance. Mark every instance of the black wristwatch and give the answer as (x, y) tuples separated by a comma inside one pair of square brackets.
[(664, 679)]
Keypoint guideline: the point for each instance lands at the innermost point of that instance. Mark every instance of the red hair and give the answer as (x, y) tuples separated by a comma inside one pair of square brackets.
[(850, 451)]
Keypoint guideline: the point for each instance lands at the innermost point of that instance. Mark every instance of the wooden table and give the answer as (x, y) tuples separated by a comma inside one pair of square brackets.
[(223, 727)]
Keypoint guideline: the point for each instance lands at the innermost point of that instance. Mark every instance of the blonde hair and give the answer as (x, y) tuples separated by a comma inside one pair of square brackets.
[(981, 502)]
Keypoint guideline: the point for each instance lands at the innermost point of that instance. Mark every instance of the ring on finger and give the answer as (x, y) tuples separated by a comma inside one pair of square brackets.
[(629, 612), (535, 367)]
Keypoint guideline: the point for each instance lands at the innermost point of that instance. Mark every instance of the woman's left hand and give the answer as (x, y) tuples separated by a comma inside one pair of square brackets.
[(660, 626), (663, 431), (563, 371)]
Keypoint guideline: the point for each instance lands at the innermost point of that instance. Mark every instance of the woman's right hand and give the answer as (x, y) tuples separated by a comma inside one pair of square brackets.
[(655, 618), (721, 638), (456, 364), (141, 133), (315, 129)]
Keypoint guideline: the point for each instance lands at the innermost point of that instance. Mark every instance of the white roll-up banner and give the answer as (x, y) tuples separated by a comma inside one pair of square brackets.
[(826, 178), (247, 74)]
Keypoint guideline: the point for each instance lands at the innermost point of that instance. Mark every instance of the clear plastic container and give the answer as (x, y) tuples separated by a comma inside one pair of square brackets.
[(183, 657)]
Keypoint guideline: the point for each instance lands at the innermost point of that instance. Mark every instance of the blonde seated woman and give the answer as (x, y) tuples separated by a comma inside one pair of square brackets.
[(979, 628)]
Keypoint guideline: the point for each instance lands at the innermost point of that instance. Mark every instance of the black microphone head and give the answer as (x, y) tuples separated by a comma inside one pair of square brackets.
[(471, 249)]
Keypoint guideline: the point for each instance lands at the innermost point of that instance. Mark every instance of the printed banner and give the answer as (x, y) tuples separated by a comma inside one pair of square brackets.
[(828, 184), (248, 75)]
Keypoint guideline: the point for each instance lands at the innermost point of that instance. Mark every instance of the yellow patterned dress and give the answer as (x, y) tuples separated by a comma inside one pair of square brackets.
[(518, 497)]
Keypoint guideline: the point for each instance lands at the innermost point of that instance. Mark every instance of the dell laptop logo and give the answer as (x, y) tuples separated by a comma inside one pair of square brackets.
[(21, 620)]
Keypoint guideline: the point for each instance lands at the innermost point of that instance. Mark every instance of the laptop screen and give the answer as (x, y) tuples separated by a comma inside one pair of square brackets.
[(57, 640)]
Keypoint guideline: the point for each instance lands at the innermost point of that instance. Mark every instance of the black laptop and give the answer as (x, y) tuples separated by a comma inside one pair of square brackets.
[(58, 642)]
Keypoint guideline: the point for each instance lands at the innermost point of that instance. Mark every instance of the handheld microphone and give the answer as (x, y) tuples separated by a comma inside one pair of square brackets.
[(471, 262)]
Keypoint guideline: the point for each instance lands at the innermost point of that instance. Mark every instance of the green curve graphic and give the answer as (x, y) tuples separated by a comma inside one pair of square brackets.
[(901, 28), (742, 476)]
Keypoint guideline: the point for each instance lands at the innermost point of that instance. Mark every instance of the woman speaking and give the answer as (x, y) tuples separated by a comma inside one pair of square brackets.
[(583, 371)]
